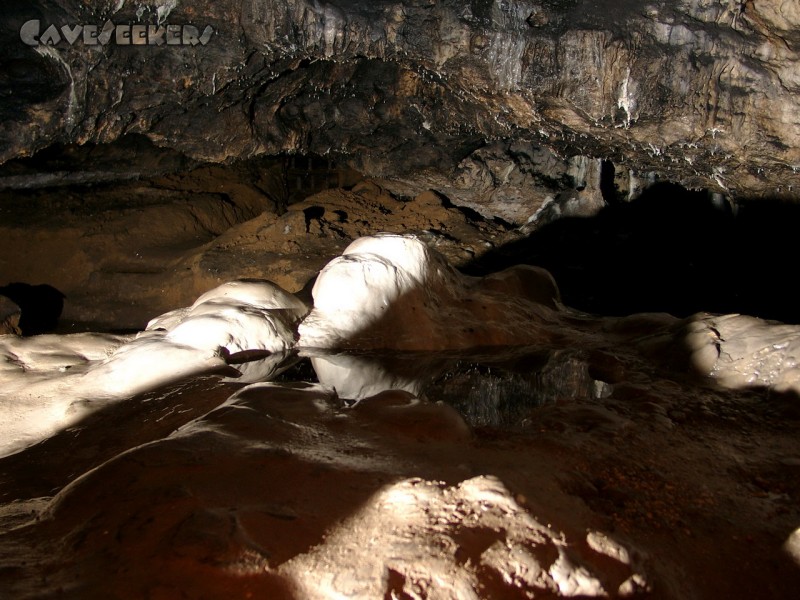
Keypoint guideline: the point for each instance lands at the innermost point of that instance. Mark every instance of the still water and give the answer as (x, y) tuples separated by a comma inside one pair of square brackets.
[(497, 388)]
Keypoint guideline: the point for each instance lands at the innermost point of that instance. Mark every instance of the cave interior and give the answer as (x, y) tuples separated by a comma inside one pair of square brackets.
[(626, 426)]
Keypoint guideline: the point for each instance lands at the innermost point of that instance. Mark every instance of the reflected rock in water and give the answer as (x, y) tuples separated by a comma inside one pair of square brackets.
[(497, 389), (502, 391), (357, 376), (254, 367)]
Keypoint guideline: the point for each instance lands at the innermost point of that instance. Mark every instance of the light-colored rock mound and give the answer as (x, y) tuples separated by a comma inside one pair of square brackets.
[(741, 351), (238, 316), (26, 362), (392, 291), (426, 539), (51, 382), (735, 351)]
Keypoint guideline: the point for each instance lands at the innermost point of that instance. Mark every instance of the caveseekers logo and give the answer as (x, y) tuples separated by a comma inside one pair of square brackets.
[(31, 33)]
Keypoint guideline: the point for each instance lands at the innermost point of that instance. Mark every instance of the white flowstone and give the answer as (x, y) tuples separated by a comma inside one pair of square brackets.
[(51, 382), (393, 291), (37, 380), (238, 315), (740, 351), (736, 351)]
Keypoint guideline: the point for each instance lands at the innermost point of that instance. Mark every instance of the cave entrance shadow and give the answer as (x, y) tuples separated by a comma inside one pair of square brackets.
[(671, 250)]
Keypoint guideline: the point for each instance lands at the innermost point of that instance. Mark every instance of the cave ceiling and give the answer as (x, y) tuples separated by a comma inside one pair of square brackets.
[(702, 93)]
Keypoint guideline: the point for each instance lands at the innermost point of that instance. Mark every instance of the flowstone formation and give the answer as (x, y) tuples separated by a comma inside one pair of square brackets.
[(52, 382), (393, 292), (699, 93), (386, 292), (576, 456)]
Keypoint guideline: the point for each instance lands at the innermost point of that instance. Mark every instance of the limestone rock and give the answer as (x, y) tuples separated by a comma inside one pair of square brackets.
[(704, 94), (52, 382), (741, 351)]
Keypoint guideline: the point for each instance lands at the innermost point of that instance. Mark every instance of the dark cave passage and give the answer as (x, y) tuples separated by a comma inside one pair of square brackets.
[(671, 250), (40, 306)]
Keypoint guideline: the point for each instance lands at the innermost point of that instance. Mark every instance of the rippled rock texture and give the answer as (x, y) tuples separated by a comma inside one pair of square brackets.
[(701, 93)]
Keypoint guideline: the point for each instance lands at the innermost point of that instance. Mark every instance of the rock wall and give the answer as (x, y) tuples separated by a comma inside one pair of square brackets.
[(700, 93)]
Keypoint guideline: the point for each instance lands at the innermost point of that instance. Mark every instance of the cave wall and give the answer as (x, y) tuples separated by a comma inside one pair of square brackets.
[(699, 93)]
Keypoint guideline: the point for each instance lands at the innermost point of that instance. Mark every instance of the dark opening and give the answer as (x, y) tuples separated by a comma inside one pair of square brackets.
[(40, 306), (608, 188), (672, 250)]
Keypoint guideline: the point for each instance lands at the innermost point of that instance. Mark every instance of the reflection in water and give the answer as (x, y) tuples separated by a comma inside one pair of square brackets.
[(501, 390), (263, 366), (490, 389), (502, 393), (496, 389), (358, 376)]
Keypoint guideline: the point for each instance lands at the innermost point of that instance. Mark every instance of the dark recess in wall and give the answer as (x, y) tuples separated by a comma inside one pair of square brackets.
[(671, 250), (40, 306)]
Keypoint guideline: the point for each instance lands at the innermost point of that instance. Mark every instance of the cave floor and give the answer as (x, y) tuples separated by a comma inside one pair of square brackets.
[(650, 483), (692, 492)]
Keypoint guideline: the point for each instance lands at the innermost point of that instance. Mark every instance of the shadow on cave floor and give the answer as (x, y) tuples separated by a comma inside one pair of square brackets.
[(671, 250)]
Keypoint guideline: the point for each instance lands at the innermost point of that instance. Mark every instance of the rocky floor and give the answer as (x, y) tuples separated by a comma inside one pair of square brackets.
[(593, 464), (661, 489)]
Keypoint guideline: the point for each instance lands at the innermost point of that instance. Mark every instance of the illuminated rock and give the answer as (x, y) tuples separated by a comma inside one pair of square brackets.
[(392, 291), (52, 382)]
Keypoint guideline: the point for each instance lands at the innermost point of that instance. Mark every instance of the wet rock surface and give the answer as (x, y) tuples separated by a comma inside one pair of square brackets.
[(538, 451), (286, 491)]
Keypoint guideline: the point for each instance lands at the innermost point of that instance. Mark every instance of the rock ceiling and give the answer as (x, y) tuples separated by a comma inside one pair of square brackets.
[(699, 93)]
